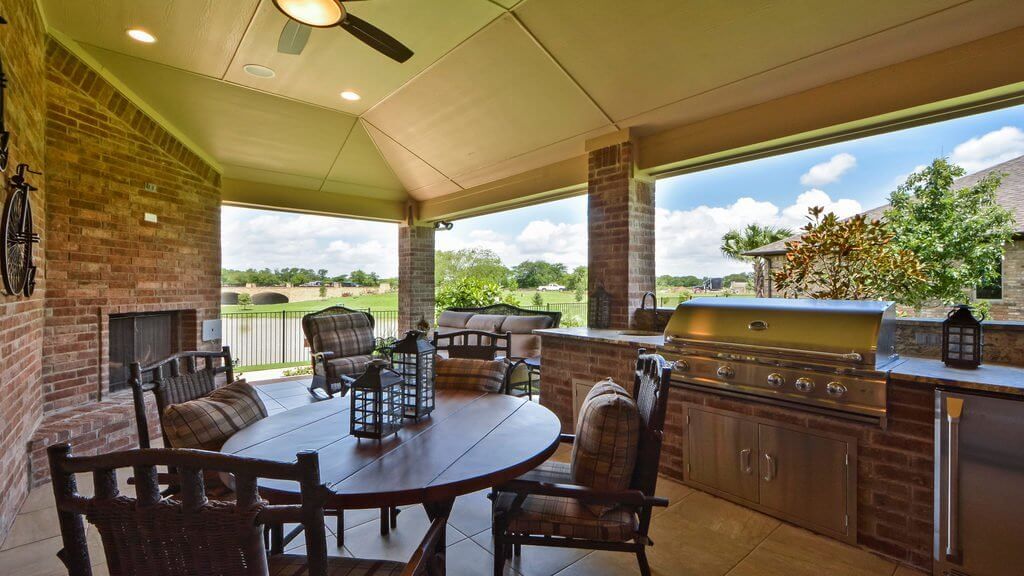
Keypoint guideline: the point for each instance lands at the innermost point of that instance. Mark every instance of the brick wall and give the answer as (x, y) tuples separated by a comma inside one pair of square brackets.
[(103, 258), (415, 276), (21, 319), (894, 469), (620, 225)]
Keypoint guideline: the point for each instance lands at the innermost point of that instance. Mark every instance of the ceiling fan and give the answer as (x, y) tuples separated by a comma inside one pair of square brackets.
[(303, 15)]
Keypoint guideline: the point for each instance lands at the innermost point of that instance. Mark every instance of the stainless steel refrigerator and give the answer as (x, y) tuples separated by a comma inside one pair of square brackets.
[(979, 485)]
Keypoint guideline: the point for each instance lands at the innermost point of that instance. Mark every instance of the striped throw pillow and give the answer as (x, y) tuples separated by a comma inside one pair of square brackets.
[(208, 422), (469, 374)]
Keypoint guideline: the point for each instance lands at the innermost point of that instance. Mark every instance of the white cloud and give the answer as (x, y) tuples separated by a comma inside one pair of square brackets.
[(538, 240), (688, 241), (259, 239), (989, 149), (830, 171)]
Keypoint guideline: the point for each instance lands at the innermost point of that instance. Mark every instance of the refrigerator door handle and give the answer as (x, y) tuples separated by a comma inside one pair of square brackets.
[(954, 411)]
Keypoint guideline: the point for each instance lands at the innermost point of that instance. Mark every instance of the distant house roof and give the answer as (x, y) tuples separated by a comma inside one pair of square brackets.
[(1010, 195)]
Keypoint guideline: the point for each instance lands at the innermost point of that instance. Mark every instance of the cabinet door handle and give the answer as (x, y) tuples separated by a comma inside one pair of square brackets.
[(745, 465), (769, 472), (954, 410)]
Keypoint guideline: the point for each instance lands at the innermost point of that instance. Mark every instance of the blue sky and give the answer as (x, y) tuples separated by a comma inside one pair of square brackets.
[(693, 210)]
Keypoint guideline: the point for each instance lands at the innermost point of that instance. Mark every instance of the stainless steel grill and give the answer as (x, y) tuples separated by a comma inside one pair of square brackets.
[(829, 355)]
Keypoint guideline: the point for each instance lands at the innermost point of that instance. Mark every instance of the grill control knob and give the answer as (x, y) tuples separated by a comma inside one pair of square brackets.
[(725, 372), (835, 389), (680, 366), (804, 385), (775, 380)]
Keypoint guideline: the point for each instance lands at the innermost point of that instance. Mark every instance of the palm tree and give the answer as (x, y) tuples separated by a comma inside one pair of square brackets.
[(738, 241)]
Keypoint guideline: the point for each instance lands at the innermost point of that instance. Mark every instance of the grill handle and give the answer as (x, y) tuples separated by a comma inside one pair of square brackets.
[(844, 356), (954, 410)]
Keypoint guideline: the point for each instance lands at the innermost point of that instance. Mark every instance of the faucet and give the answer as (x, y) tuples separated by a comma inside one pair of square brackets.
[(654, 301)]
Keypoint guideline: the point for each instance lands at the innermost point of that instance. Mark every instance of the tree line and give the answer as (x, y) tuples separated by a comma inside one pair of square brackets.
[(453, 266), (298, 277)]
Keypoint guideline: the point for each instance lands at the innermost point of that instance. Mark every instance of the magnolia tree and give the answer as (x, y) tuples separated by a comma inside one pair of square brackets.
[(958, 234), (851, 259), (932, 246)]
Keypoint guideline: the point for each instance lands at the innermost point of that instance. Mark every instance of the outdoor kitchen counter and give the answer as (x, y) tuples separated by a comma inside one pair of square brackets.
[(997, 378), (608, 336)]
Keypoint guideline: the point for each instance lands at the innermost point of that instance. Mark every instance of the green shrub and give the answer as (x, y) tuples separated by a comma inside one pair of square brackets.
[(471, 293)]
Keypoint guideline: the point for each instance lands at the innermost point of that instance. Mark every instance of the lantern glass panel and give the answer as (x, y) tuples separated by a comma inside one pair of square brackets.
[(376, 410), (413, 358)]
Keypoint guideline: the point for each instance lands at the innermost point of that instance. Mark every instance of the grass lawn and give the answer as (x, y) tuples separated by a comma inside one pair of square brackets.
[(390, 301)]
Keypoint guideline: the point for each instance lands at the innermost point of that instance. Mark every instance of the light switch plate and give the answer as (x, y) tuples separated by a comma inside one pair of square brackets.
[(150, 217), (211, 330)]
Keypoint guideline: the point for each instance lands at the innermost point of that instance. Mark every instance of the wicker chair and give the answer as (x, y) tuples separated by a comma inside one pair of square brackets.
[(553, 481), (341, 342), (155, 536), (170, 385)]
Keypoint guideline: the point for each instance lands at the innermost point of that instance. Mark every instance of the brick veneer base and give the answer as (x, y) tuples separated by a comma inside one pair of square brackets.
[(894, 465)]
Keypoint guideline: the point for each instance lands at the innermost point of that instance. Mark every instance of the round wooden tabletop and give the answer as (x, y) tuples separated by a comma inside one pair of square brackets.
[(471, 441)]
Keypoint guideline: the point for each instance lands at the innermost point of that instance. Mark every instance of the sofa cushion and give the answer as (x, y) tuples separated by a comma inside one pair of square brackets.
[(526, 324), (343, 334), (452, 319), (485, 322), (208, 422), (607, 439), (469, 374)]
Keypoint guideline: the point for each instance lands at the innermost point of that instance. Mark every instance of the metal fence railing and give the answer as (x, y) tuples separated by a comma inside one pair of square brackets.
[(573, 313), (261, 338)]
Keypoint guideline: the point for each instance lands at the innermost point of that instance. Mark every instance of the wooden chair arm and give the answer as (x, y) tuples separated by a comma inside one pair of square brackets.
[(325, 355), (585, 494)]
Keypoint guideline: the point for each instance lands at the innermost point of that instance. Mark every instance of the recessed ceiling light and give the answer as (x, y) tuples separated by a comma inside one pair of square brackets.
[(258, 71), (319, 13), (141, 35), (350, 95)]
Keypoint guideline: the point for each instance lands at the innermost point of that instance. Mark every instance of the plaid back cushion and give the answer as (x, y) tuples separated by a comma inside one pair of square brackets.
[(343, 334), (207, 423), (469, 374), (607, 437)]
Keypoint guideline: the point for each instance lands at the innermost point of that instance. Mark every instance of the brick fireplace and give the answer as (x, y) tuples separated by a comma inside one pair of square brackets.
[(133, 232)]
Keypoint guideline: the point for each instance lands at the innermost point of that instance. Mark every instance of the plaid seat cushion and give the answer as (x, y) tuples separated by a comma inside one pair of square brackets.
[(295, 565), (208, 422), (469, 374), (607, 438), (550, 472), (566, 517), (343, 334), (348, 366)]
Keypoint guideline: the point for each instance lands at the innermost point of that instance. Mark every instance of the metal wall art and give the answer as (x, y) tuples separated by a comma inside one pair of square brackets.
[(19, 274)]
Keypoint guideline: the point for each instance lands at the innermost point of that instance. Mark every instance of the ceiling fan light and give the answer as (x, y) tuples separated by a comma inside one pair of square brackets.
[(316, 13), (140, 35)]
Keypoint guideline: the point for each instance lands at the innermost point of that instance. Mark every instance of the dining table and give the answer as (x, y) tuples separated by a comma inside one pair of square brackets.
[(470, 441)]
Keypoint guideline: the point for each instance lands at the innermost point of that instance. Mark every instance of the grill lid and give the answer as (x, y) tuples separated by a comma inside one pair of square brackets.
[(849, 331)]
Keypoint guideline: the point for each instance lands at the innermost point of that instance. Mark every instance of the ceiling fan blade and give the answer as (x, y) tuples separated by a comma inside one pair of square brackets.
[(293, 37), (375, 38)]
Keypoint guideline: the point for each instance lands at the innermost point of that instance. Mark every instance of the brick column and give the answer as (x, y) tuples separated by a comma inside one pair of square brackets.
[(415, 276), (620, 229)]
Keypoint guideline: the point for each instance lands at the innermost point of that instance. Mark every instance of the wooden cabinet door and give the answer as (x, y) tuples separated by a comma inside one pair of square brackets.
[(722, 450), (805, 478)]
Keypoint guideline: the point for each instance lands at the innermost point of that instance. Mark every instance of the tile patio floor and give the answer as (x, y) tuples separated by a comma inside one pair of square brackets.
[(698, 535)]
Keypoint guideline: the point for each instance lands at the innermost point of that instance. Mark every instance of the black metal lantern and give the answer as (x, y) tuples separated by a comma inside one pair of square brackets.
[(413, 358), (376, 402), (961, 338), (600, 309)]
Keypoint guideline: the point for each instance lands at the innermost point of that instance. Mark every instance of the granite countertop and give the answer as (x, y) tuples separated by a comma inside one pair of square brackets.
[(607, 335), (998, 378)]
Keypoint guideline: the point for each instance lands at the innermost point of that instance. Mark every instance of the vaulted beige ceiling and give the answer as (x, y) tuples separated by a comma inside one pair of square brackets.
[(497, 88)]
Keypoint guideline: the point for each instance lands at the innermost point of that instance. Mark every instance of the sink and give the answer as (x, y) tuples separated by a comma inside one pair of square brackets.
[(639, 333)]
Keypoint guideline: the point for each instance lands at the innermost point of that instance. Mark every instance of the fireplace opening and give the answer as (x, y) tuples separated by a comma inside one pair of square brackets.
[(143, 338)]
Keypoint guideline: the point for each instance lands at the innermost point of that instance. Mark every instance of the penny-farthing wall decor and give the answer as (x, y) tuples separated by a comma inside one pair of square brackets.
[(19, 273), (5, 136)]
